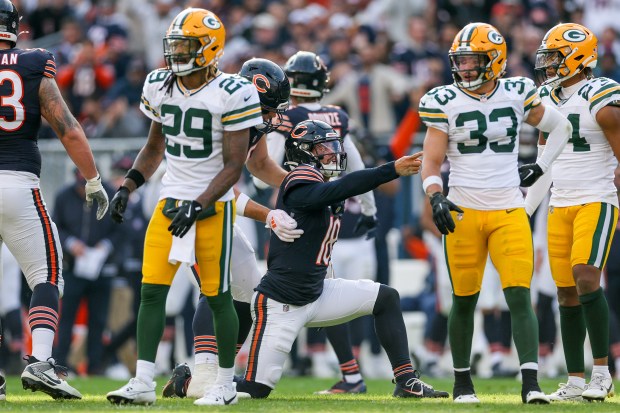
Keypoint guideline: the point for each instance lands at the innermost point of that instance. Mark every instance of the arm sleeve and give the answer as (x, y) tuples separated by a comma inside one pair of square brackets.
[(316, 195), (537, 192), (355, 163), (560, 130)]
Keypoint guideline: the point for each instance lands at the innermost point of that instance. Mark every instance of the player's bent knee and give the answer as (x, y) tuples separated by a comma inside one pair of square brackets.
[(387, 297), (254, 389)]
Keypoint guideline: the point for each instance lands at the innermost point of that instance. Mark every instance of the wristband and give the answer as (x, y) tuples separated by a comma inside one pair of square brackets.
[(241, 202), (95, 179), (430, 180), (136, 176)]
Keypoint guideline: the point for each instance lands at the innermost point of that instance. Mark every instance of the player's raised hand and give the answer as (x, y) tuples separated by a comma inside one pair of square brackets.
[(408, 165)]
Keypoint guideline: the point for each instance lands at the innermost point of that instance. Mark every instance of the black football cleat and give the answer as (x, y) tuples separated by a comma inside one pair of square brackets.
[(178, 382), (414, 387)]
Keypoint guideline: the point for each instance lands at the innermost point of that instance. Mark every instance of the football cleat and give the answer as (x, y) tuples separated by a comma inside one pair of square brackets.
[(219, 395), (178, 382), (134, 392), (43, 376), (204, 376), (342, 387), (536, 397), (567, 392), (414, 387), (600, 387), (2, 388), (467, 398)]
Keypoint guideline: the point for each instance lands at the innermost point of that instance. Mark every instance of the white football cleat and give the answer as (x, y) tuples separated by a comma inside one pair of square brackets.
[(600, 387), (467, 398), (134, 392), (219, 395), (536, 397), (204, 375), (567, 392), (43, 376)]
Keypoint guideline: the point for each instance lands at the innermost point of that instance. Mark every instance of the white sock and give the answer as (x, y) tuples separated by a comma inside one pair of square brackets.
[(225, 376), (601, 369), (42, 342), (530, 366), (202, 358), (577, 381), (352, 378), (145, 371)]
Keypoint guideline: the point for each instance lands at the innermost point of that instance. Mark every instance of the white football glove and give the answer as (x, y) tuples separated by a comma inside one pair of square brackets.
[(95, 191), (283, 225)]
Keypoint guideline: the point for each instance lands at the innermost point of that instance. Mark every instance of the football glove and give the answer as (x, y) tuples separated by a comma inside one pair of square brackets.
[(186, 215), (441, 213), (119, 204), (283, 225), (366, 224), (95, 192), (529, 173)]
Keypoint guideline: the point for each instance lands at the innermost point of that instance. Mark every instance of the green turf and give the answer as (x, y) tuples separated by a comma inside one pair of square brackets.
[(295, 395)]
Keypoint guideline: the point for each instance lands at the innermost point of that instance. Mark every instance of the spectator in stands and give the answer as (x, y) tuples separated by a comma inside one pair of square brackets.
[(85, 77)]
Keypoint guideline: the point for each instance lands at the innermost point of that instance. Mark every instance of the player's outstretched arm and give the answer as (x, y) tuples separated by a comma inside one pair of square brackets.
[(277, 220), (55, 111)]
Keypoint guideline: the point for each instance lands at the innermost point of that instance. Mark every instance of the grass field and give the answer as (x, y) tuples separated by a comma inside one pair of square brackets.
[(295, 395)]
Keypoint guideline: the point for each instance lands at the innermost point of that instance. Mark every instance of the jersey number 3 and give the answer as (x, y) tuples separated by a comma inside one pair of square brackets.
[(13, 100), (331, 236)]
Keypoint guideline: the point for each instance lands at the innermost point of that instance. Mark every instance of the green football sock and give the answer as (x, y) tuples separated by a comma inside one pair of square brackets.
[(573, 330), (151, 320), (524, 323), (596, 315), (461, 328), (226, 327)]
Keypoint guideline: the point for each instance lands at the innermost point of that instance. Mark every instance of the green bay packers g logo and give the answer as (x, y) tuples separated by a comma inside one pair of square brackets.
[(574, 35), (495, 37), (211, 22)]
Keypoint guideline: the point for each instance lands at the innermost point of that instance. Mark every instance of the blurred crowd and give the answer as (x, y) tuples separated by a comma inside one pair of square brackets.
[(383, 56)]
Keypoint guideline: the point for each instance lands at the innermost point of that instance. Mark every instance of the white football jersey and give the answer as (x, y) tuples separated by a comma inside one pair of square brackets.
[(193, 122), (584, 171), (483, 144)]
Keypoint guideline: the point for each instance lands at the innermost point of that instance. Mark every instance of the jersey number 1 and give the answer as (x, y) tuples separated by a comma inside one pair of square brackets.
[(331, 236)]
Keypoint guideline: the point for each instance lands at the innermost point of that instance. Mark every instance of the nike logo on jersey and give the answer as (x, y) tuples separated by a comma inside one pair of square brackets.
[(247, 98), (508, 211)]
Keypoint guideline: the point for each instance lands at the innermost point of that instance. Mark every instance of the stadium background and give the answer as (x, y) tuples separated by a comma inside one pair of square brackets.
[(105, 48)]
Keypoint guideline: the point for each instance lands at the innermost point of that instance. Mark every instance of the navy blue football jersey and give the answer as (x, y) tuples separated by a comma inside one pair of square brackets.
[(334, 116), (296, 270), (21, 72)]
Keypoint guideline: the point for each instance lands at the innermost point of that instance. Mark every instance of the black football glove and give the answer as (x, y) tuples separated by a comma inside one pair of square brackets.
[(366, 224), (529, 173), (185, 217), (441, 213), (119, 204)]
